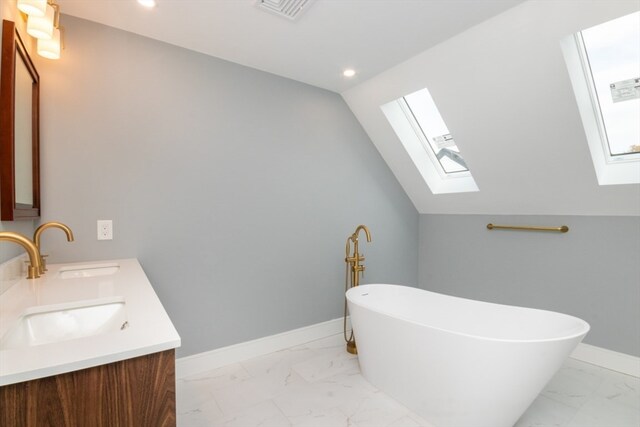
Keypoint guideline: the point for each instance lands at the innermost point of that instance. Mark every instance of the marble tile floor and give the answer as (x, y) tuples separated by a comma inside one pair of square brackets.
[(319, 385)]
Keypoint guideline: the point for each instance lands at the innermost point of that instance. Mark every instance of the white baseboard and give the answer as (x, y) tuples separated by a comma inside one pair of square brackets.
[(620, 362), (213, 359), (217, 358)]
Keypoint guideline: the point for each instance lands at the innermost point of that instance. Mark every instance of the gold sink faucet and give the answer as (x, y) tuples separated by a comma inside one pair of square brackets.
[(30, 247), (38, 233)]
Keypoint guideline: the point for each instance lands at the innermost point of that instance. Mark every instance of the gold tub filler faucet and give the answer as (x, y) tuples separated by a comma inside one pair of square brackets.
[(352, 278)]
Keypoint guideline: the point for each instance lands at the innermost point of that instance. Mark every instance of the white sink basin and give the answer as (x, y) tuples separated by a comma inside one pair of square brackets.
[(74, 272), (62, 322)]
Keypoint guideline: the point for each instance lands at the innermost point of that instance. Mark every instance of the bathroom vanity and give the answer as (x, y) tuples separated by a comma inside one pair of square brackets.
[(86, 344)]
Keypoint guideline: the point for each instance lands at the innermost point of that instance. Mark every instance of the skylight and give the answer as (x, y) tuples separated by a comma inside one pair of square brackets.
[(426, 138), (436, 134), (612, 51), (604, 66)]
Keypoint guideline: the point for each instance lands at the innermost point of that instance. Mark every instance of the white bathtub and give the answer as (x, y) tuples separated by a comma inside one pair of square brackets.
[(458, 362)]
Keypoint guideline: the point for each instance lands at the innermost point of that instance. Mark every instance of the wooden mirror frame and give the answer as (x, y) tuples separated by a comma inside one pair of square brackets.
[(13, 49)]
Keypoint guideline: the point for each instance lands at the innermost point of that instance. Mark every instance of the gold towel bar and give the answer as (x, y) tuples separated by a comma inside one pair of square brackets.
[(562, 229)]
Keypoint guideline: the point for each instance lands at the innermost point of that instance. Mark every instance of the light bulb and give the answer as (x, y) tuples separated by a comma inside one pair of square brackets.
[(50, 48), (41, 27), (32, 7), (148, 3), (349, 72)]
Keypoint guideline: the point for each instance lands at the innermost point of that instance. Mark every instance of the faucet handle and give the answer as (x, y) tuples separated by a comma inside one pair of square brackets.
[(43, 263)]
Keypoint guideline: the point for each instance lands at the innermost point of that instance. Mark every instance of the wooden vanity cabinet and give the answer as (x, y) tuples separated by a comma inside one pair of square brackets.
[(136, 392)]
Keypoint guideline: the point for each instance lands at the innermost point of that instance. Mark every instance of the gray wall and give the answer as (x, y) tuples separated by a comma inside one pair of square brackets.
[(236, 189), (592, 272)]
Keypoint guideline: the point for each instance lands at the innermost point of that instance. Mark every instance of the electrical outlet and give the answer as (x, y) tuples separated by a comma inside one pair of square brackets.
[(105, 229)]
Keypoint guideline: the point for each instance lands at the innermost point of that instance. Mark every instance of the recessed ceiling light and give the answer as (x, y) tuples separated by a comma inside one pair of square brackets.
[(148, 3), (349, 72)]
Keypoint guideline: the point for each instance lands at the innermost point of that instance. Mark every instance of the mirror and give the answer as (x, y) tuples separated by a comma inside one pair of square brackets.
[(19, 130)]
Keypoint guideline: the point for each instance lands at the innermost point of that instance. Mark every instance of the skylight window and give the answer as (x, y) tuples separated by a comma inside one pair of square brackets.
[(604, 66), (612, 52), (435, 131), (426, 138)]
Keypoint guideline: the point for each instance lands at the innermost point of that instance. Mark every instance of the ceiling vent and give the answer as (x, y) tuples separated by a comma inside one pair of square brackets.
[(290, 9)]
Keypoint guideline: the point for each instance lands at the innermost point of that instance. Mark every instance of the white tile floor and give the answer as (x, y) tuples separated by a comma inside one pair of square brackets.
[(319, 385)]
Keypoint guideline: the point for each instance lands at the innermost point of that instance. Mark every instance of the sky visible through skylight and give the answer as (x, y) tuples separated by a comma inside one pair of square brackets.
[(613, 51), (434, 129)]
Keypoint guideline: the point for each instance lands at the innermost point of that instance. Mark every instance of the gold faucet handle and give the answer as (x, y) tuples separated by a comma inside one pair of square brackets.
[(43, 263), (32, 272)]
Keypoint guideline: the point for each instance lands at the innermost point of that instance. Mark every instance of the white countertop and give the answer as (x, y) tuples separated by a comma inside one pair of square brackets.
[(150, 329)]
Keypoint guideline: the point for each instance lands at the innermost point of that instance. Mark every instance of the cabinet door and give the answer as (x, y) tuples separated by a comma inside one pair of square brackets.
[(136, 392)]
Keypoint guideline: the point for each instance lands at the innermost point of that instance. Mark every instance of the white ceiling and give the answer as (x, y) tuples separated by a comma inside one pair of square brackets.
[(370, 36)]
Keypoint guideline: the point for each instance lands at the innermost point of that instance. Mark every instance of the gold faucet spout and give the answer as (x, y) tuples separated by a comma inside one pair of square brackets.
[(366, 231), (29, 247), (38, 233), (61, 226), (355, 258)]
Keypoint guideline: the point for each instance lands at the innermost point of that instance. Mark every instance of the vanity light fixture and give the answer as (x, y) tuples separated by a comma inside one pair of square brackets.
[(148, 3), (43, 23), (32, 7), (41, 27), (349, 72), (50, 49)]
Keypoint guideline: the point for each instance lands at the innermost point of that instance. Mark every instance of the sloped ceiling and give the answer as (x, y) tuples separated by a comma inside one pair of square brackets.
[(331, 35), (504, 92), (494, 68)]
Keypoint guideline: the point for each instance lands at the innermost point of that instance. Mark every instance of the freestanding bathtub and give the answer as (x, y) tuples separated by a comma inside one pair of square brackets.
[(458, 362)]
